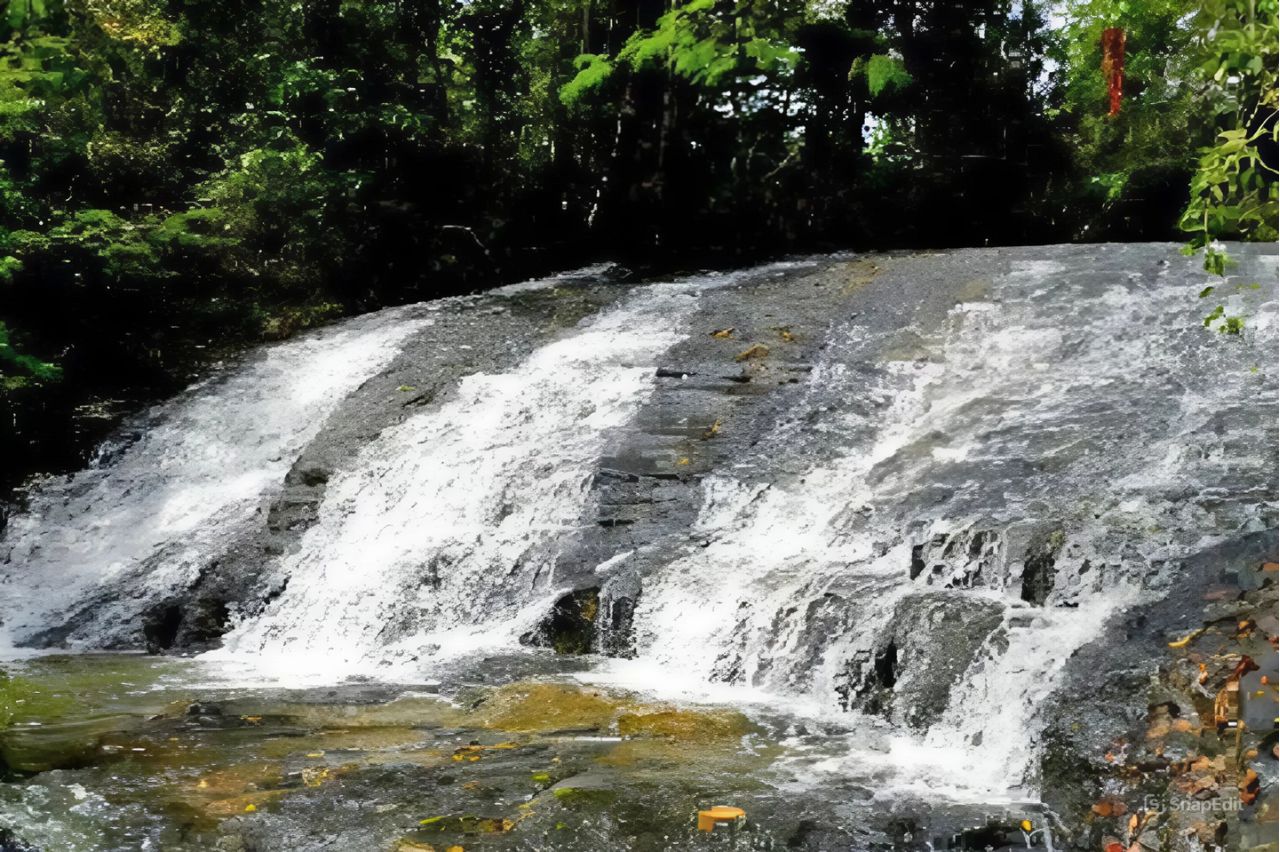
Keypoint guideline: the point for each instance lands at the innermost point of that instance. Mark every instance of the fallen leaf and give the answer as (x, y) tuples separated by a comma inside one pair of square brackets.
[(722, 333), (755, 350), (1109, 808), (1243, 667), (1186, 640), (1250, 786)]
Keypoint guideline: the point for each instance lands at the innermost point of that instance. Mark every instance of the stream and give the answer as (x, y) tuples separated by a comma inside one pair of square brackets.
[(558, 565)]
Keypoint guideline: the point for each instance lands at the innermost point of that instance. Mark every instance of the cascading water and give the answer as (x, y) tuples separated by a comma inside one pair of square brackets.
[(447, 527), (974, 477), (1006, 418), (151, 512)]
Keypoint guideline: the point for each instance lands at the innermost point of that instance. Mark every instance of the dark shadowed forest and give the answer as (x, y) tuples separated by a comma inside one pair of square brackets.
[(181, 177)]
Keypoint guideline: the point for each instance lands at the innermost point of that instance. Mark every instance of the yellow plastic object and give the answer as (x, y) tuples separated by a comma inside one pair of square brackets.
[(708, 819)]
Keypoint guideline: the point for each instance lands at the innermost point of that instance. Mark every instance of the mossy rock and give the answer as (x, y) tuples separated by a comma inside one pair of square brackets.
[(548, 707), (465, 824), (64, 745), (577, 797), (686, 725)]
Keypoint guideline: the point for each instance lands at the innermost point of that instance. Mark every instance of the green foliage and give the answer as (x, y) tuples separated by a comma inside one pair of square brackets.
[(20, 14), (1126, 157), (1225, 324), (1234, 192), (179, 177), (710, 44), (120, 247), (17, 368), (138, 23), (593, 69), (884, 72)]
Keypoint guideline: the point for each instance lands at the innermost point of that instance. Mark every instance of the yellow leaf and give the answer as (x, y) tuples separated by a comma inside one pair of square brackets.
[(1186, 640)]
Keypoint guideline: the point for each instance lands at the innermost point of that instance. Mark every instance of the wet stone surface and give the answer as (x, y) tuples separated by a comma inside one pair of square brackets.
[(129, 752), (861, 545)]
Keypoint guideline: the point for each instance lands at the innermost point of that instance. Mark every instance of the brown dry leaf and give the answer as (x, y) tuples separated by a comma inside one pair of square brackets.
[(1243, 667), (712, 430), (755, 350), (1208, 782), (1109, 808), (1249, 786), (722, 333)]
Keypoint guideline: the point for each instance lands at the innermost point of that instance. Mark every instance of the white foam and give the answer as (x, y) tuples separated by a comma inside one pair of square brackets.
[(197, 475), (442, 537)]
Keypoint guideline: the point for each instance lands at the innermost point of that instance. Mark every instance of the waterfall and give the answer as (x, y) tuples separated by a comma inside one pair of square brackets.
[(446, 529), (1003, 423), (967, 486), (150, 512)]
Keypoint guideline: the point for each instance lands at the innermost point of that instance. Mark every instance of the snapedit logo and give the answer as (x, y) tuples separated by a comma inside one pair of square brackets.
[(1218, 805)]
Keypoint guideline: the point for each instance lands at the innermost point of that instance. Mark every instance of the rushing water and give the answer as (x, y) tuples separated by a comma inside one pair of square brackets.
[(152, 508), (965, 487), (448, 524)]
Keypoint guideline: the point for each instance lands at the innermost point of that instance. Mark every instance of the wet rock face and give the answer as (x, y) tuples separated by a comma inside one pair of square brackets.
[(570, 627), (1038, 568), (1139, 749), (970, 558), (909, 486), (933, 640)]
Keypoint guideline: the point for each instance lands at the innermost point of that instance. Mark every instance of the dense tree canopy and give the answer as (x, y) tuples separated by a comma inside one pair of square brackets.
[(178, 176)]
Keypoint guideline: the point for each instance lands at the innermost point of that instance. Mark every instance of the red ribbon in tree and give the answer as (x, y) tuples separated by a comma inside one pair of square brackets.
[(1113, 65)]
